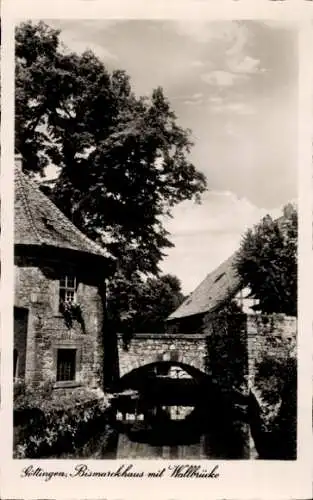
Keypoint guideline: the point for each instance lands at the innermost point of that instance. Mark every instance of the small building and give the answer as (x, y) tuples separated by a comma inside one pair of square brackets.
[(59, 294), (221, 288)]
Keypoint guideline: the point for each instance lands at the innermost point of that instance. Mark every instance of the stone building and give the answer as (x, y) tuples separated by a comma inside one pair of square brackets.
[(59, 294), (222, 288)]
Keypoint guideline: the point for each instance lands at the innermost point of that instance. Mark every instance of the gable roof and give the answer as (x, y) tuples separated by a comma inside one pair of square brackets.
[(39, 222), (218, 287)]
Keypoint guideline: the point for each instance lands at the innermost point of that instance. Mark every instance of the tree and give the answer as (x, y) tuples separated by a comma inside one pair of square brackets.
[(267, 262), (159, 298), (123, 159), (143, 306)]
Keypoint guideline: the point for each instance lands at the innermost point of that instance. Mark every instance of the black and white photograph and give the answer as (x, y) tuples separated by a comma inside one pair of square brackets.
[(155, 240)]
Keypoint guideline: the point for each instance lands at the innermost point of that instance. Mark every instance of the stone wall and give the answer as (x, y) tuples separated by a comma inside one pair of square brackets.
[(272, 342), (152, 347), (237, 343), (274, 335), (37, 291)]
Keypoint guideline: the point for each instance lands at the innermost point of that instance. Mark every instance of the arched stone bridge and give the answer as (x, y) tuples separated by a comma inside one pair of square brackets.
[(221, 353), (149, 348)]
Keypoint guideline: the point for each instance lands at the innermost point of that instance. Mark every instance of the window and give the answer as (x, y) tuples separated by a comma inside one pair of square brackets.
[(66, 365), (67, 291), (240, 299), (219, 277)]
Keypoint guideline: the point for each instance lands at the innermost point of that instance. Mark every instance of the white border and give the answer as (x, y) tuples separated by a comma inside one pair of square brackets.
[(238, 479)]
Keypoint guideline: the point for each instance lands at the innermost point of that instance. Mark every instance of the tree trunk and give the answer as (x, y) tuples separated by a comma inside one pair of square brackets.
[(109, 343)]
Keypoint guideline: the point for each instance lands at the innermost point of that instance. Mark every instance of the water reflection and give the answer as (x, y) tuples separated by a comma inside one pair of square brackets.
[(165, 413), (158, 431), (174, 412), (175, 431)]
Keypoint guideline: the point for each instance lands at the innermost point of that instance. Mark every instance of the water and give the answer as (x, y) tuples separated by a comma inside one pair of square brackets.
[(182, 435), (169, 432), (172, 417)]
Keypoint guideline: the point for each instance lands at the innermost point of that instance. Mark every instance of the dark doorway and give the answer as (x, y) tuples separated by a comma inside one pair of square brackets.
[(20, 342), (15, 364)]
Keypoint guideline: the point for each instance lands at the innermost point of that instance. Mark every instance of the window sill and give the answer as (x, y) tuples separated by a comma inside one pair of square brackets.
[(66, 383)]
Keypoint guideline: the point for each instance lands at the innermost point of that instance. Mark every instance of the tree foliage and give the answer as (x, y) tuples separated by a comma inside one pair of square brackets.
[(267, 262), (143, 306), (123, 159)]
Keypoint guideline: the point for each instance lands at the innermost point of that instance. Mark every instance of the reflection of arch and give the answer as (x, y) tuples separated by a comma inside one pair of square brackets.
[(151, 369), (15, 363)]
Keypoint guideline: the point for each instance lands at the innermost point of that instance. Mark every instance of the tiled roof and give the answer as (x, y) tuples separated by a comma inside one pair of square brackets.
[(218, 287), (38, 221)]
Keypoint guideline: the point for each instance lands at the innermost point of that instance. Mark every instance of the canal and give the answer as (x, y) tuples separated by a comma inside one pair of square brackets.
[(173, 433), (172, 419)]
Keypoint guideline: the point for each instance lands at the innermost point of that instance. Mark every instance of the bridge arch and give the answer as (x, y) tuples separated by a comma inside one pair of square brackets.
[(152, 369), (144, 349)]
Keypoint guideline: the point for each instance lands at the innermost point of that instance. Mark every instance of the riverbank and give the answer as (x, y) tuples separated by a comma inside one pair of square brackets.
[(49, 423)]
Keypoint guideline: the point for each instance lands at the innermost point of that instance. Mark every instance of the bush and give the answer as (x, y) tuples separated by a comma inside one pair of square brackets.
[(274, 425), (50, 422), (19, 388)]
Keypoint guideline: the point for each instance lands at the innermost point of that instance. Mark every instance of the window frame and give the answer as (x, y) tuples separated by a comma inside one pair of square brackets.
[(74, 367), (67, 289)]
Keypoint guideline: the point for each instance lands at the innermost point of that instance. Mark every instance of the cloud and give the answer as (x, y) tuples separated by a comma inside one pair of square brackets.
[(232, 33), (81, 46), (247, 65), (215, 99), (219, 211), (283, 24), (238, 60), (222, 78), (204, 235), (197, 64), (191, 102), (196, 98), (238, 108), (237, 71), (199, 31), (228, 51), (79, 36)]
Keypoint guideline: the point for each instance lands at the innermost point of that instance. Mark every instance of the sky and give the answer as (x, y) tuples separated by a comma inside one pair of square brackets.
[(234, 84)]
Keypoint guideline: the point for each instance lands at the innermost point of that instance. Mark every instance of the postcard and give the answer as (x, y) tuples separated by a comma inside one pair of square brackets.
[(156, 250)]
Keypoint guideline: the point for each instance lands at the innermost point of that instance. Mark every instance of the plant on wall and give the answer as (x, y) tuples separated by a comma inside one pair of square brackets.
[(72, 312)]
